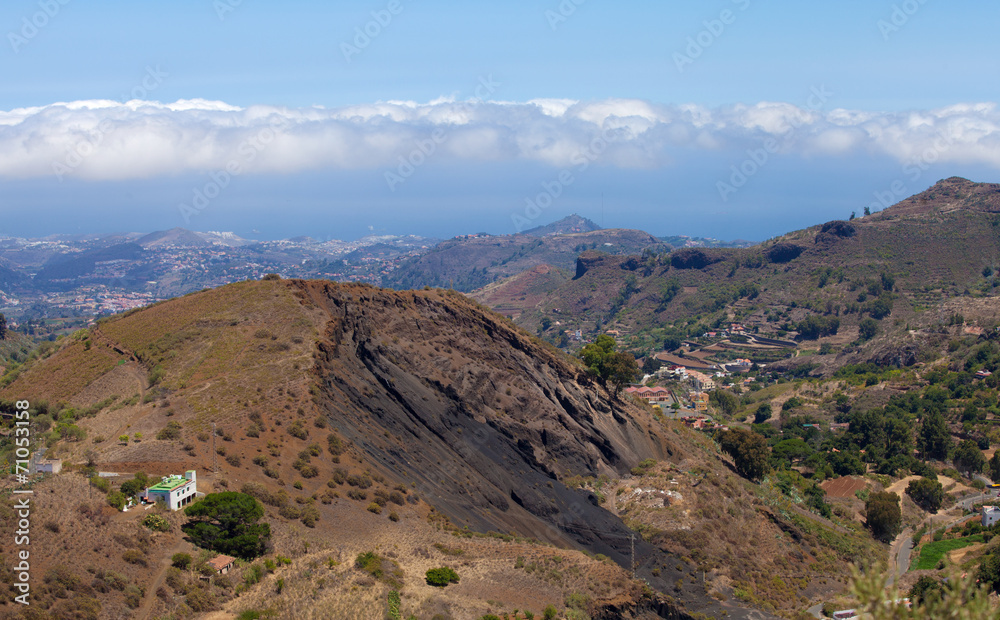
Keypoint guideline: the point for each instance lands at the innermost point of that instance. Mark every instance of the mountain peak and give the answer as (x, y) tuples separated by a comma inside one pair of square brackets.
[(569, 224), (948, 195), (175, 236)]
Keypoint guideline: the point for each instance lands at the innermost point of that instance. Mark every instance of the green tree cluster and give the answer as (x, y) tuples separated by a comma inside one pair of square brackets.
[(935, 439), (867, 329), (763, 413), (726, 401), (814, 327), (926, 493), (227, 522), (883, 515), (969, 458), (749, 451), (617, 367)]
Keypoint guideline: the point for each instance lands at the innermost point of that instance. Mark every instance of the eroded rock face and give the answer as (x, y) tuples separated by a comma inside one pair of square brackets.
[(898, 355), (784, 252), (587, 261), (692, 258), (485, 423)]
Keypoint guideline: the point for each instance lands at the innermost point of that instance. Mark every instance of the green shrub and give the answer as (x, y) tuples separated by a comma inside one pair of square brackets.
[(362, 482), (441, 577), (310, 515), (577, 601), (380, 568), (298, 429), (334, 444), (116, 499), (101, 484), (181, 560), (308, 471), (134, 556), (201, 599), (156, 523), (394, 603), (253, 575), (171, 431)]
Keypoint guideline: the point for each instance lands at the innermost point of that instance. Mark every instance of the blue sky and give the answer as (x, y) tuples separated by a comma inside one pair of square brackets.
[(675, 94)]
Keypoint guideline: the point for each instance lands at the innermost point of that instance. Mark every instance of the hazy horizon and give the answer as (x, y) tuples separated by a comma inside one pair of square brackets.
[(731, 119)]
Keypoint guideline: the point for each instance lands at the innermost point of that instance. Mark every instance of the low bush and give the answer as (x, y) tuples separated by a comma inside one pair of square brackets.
[(156, 523), (441, 577)]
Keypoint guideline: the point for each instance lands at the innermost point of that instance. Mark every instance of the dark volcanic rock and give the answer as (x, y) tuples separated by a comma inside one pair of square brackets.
[(435, 391), (784, 252), (587, 261), (692, 258), (839, 228), (897, 355), (834, 231)]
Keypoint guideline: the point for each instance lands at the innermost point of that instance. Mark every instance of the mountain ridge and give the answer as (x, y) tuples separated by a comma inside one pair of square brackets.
[(424, 390)]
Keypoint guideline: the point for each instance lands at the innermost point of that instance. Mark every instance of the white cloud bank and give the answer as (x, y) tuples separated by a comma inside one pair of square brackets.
[(104, 140)]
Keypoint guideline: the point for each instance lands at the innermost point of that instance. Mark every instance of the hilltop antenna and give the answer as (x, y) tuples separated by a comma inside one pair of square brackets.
[(215, 466), (602, 209)]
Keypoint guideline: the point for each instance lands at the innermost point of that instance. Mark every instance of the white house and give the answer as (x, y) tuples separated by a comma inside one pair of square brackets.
[(991, 515), (175, 491)]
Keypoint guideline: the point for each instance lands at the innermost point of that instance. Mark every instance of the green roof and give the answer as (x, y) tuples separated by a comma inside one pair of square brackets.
[(169, 484)]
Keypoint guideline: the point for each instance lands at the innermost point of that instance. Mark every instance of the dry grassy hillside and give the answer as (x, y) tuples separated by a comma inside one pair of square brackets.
[(366, 421), (404, 424), (468, 263), (896, 265)]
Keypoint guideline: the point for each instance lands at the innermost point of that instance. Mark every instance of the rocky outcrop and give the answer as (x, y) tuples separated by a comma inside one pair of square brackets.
[(486, 423), (784, 252), (692, 258)]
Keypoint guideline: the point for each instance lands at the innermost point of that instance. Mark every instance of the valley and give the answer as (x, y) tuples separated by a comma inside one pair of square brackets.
[(775, 415)]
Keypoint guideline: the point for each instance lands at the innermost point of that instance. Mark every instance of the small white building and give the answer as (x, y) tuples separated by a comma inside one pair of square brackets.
[(991, 515), (175, 491)]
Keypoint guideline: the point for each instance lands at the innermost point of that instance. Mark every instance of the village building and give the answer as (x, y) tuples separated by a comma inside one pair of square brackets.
[(222, 563), (700, 401), (991, 515), (175, 491), (650, 394), (702, 382)]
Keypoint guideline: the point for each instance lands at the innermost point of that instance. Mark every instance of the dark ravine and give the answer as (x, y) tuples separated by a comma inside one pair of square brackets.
[(487, 425)]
